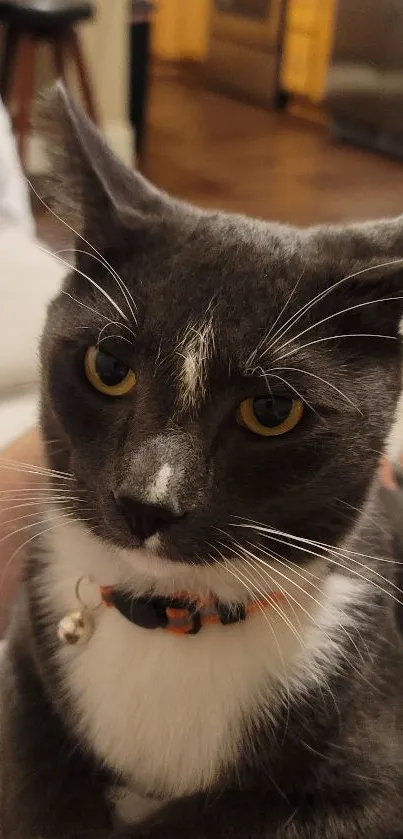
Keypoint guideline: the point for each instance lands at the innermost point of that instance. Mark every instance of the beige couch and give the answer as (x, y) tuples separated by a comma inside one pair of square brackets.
[(28, 279)]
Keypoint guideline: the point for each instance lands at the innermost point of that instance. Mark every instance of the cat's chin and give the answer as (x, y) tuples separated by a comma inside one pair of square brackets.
[(149, 560)]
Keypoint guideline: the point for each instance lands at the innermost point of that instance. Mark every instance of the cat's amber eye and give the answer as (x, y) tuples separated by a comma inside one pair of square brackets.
[(108, 374), (270, 416)]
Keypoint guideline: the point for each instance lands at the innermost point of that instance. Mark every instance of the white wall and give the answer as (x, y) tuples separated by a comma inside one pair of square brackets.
[(106, 46)]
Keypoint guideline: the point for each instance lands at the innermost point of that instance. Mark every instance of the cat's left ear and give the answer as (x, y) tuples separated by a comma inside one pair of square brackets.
[(364, 264), (87, 183)]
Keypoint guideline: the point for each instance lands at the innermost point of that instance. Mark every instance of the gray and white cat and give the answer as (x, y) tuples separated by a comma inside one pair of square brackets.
[(209, 640)]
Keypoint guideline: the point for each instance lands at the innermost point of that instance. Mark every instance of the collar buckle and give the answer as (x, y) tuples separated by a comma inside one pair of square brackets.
[(184, 618)]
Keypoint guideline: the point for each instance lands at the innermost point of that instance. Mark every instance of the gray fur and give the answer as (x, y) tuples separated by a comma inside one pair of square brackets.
[(334, 768)]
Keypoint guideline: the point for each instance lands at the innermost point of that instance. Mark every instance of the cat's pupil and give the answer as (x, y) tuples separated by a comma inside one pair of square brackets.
[(110, 370), (272, 410)]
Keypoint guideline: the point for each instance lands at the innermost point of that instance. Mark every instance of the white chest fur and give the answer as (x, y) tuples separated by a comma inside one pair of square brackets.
[(168, 712)]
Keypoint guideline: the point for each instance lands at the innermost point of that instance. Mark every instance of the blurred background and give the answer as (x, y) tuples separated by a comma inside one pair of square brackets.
[(288, 109)]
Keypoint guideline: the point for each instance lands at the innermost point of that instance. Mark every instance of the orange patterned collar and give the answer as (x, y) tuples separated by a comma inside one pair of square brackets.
[(183, 613)]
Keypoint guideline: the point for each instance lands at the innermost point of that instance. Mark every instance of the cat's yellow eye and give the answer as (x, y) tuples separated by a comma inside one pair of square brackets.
[(270, 416), (108, 374)]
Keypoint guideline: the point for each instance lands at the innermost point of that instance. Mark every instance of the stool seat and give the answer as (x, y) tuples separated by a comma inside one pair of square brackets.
[(44, 14)]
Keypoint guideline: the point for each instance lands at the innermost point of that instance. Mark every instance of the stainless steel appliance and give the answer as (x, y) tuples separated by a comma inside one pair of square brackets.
[(245, 48), (365, 89)]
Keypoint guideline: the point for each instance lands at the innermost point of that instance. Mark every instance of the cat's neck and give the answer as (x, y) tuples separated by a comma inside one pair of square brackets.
[(200, 691)]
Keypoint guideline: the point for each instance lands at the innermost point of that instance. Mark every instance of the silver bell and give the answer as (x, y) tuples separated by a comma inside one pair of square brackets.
[(75, 628)]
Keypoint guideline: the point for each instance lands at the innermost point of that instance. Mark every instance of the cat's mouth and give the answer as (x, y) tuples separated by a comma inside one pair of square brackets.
[(228, 578), (150, 534), (155, 540)]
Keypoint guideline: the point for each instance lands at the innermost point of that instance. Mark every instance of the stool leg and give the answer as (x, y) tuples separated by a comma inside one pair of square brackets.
[(27, 47), (8, 62), (60, 56), (77, 53)]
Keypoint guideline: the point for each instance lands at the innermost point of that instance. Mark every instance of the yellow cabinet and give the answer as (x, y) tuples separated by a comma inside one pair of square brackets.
[(181, 29), (307, 47), (296, 58), (301, 14)]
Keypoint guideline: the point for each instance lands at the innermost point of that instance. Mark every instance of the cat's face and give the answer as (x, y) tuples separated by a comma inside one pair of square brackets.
[(201, 383)]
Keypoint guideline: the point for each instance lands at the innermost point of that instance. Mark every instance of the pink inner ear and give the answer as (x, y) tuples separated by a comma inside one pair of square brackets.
[(386, 475)]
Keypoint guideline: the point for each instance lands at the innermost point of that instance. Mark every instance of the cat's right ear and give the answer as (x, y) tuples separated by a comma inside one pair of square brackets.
[(87, 184)]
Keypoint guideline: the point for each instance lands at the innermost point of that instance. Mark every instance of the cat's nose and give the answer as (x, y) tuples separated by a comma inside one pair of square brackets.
[(143, 519)]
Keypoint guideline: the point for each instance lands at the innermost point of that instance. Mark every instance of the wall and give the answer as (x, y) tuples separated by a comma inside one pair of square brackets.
[(106, 45)]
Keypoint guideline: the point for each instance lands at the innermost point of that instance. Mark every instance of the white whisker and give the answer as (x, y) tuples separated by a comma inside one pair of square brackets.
[(85, 306), (292, 387), (118, 324), (315, 376), (19, 530), (297, 635), (41, 501), (123, 287), (307, 306), (336, 337), (255, 525), (117, 338), (304, 591), (309, 614), (64, 519), (335, 315), (364, 514), (30, 488), (266, 576), (86, 277), (16, 466), (338, 552), (79, 236), (251, 358), (242, 578), (38, 512)]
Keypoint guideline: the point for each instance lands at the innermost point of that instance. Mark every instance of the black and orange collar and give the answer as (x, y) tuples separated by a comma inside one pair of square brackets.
[(181, 614)]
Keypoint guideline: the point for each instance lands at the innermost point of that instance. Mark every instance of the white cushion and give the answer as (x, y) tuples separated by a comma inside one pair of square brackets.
[(29, 278), (14, 197), (18, 412)]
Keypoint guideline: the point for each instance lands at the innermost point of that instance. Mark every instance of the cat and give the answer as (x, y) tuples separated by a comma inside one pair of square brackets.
[(208, 641)]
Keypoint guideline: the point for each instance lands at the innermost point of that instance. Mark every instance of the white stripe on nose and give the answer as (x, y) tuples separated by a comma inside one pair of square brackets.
[(158, 488)]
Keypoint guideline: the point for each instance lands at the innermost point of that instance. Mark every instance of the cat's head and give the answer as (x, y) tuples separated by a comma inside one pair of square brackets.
[(215, 381)]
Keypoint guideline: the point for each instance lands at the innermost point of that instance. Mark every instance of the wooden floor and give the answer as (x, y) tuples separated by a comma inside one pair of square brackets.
[(218, 152), (221, 153)]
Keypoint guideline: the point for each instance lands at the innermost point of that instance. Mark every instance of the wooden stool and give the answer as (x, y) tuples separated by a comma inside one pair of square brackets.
[(28, 22)]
